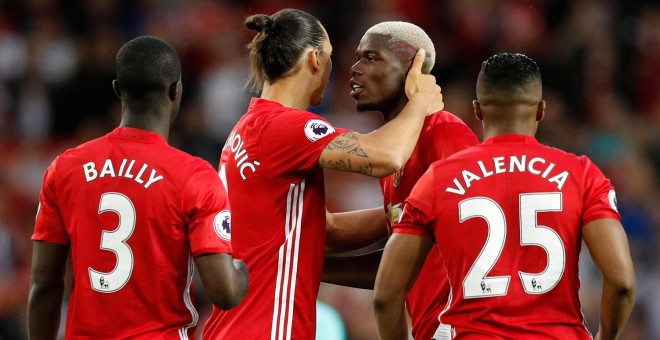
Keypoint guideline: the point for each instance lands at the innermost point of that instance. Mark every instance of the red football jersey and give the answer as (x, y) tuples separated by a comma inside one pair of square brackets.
[(276, 189), (442, 135), (507, 216), (134, 211)]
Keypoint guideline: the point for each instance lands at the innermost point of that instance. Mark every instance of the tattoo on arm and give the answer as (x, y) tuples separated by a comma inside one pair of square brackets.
[(345, 165), (347, 142)]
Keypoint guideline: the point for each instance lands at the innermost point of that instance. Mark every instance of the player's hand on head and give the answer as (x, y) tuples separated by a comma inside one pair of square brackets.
[(423, 86)]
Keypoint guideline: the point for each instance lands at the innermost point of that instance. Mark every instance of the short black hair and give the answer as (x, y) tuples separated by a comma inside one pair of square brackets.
[(281, 40), (510, 71), (146, 65)]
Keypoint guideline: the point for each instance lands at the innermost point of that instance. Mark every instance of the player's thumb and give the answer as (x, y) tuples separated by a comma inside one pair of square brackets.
[(418, 61), (414, 73)]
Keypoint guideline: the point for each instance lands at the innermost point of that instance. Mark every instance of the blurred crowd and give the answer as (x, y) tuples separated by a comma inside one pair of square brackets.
[(599, 59)]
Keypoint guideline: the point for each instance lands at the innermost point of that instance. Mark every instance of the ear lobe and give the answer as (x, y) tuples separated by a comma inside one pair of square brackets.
[(476, 107), (540, 112), (115, 88)]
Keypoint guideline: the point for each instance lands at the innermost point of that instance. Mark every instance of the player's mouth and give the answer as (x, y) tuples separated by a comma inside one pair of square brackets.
[(356, 88)]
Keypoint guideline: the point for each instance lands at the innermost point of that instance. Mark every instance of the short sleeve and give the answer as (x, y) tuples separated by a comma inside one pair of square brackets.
[(418, 216), (49, 225), (297, 138), (599, 195), (206, 204), (447, 139)]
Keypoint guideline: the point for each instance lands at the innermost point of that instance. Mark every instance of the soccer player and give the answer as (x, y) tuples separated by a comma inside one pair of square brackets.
[(273, 165), (509, 217), (133, 212), (383, 56)]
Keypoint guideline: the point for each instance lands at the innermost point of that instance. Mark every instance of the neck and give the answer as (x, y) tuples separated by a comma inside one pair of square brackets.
[(293, 91), (152, 119), (526, 128), (395, 107)]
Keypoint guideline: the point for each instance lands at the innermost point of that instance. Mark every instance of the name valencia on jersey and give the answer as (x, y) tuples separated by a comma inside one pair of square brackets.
[(537, 166), (125, 169)]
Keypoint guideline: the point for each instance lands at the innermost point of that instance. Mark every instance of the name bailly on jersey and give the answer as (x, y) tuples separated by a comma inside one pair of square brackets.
[(537, 166), (125, 170)]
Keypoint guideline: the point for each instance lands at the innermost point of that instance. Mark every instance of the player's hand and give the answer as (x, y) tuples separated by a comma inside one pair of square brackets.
[(423, 86), (241, 267)]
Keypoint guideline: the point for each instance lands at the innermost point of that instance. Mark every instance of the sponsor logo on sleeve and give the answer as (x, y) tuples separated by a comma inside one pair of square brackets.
[(222, 225), (316, 129), (611, 196)]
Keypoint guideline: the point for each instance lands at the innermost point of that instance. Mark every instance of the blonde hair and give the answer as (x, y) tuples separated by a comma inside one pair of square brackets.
[(410, 34)]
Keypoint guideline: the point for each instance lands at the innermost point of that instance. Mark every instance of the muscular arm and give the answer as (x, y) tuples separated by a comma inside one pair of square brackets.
[(402, 260), (386, 150), (357, 271), (225, 279), (355, 229), (46, 289), (608, 246)]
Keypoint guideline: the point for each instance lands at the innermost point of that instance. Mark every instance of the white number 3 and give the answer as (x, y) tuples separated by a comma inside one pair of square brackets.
[(115, 241), (476, 283)]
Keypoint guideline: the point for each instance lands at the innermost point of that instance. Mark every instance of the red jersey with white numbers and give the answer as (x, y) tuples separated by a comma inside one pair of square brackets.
[(507, 216), (442, 135), (134, 211), (270, 164)]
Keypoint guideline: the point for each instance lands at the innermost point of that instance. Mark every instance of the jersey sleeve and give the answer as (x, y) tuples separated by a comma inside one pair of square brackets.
[(297, 139), (418, 216), (205, 203), (49, 225), (599, 195), (447, 139)]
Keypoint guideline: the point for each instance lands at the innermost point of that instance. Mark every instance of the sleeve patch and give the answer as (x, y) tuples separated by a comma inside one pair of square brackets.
[(316, 129), (222, 225), (611, 196)]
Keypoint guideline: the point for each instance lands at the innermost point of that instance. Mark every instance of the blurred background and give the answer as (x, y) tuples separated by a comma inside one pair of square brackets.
[(599, 59)]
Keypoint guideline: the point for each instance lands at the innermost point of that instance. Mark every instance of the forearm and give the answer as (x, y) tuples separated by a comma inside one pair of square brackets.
[(353, 230), (391, 318), (352, 271), (616, 306), (44, 306)]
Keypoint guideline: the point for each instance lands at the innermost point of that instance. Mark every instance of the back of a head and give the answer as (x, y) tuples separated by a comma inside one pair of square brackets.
[(511, 74), (405, 40), (146, 66), (281, 40)]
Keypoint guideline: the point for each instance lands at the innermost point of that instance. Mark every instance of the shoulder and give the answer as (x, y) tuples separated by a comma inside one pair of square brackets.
[(443, 117), (447, 123)]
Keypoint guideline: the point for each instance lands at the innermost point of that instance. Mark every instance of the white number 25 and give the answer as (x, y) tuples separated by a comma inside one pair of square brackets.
[(115, 241), (476, 283)]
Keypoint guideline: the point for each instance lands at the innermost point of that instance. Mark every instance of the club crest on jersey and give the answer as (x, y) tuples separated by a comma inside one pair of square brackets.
[(396, 179), (316, 129), (394, 213), (222, 224), (611, 196)]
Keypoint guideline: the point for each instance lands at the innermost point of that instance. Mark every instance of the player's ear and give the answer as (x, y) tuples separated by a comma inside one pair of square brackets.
[(175, 90), (313, 60), (540, 111), (115, 87), (476, 107)]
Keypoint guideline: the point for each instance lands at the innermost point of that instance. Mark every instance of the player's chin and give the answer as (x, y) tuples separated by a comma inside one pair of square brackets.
[(364, 106)]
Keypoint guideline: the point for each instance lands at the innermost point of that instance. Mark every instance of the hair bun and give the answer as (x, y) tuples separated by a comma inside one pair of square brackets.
[(260, 23)]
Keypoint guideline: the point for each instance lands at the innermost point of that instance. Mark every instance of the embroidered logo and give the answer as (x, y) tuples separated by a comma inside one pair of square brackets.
[(316, 129)]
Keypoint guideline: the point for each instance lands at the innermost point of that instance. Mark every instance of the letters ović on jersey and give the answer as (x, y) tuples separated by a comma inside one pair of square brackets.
[(536, 165), (125, 169), (236, 145)]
